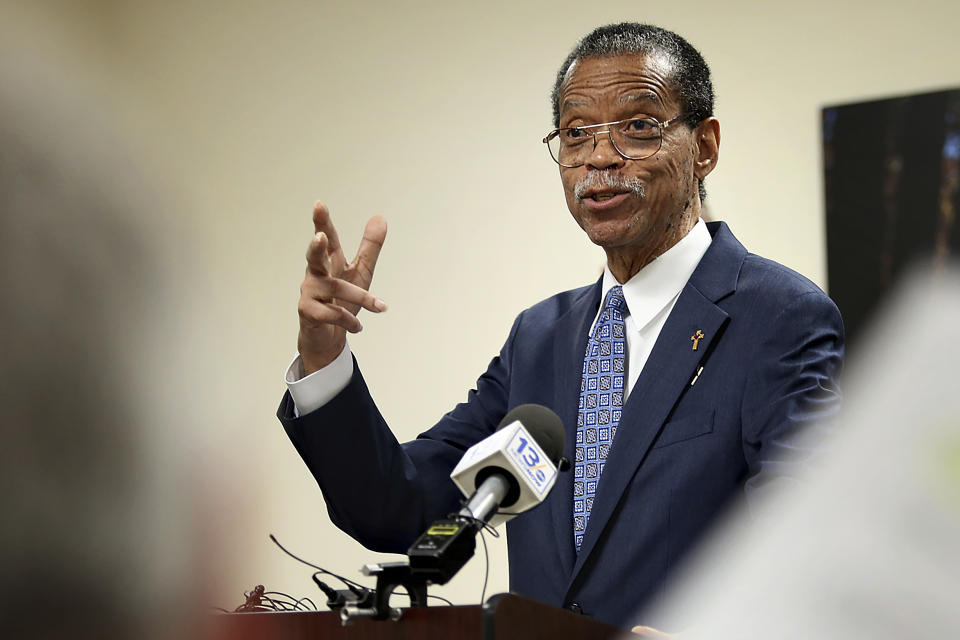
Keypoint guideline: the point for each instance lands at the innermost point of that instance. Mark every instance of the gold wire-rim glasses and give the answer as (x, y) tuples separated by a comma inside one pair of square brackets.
[(660, 126)]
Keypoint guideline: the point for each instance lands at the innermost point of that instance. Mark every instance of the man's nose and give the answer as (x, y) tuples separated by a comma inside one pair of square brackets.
[(604, 155)]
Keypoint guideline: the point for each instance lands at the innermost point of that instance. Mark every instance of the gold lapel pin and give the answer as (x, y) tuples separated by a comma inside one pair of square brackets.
[(697, 337)]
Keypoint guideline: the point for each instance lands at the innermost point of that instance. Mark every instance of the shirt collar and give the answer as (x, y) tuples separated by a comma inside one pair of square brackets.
[(656, 285)]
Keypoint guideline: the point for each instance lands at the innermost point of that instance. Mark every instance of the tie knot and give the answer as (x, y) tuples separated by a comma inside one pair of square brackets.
[(615, 300)]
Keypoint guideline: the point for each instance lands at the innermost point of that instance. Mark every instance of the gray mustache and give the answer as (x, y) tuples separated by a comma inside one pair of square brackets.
[(597, 179)]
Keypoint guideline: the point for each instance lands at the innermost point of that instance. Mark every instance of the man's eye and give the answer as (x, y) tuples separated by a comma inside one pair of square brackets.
[(641, 129), (640, 126), (574, 134)]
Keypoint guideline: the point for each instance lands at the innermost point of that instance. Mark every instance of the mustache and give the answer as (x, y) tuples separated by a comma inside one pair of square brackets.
[(599, 179)]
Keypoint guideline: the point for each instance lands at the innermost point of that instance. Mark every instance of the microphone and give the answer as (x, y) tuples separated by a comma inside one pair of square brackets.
[(514, 468)]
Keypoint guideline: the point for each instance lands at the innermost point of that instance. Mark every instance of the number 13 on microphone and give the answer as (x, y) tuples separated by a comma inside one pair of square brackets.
[(531, 458)]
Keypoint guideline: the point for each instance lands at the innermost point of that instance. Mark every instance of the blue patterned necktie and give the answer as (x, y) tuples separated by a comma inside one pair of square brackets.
[(601, 400)]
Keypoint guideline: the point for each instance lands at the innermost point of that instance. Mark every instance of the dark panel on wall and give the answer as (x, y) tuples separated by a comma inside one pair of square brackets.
[(892, 188)]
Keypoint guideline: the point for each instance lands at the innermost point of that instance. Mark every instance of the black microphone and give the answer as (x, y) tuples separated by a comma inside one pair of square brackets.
[(514, 468)]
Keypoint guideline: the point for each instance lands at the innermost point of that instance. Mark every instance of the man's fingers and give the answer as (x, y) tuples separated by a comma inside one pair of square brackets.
[(316, 313), (326, 289), (345, 291), (373, 238), (323, 223), (318, 259)]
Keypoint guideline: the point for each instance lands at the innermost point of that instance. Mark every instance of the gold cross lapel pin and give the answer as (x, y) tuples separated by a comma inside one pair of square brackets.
[(696, 338)]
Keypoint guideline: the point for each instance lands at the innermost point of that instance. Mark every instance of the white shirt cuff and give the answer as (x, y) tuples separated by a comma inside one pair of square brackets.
[(320, 387)]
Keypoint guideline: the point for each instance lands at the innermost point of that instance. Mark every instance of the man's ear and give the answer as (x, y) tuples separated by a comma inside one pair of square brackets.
[(707, 147)]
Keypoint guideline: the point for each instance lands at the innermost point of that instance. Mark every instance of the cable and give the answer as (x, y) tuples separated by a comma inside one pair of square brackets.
[(486, 567), (306, 599), (404, 592), (293, 603), (350, 583), (274, 604), (482, 527)]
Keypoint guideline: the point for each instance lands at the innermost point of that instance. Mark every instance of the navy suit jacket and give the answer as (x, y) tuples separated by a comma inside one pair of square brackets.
[(772, 347)]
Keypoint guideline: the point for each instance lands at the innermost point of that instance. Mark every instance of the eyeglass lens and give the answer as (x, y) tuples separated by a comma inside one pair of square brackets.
[(634, 139)]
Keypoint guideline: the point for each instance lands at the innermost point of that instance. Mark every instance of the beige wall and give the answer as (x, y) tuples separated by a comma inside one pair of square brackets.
[(430, 114)]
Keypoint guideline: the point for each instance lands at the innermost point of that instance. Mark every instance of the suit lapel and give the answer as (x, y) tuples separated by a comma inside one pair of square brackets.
[(569, 347), (666, 374)]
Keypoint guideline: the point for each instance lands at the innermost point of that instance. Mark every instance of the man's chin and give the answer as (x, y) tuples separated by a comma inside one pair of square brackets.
[(609, 234)]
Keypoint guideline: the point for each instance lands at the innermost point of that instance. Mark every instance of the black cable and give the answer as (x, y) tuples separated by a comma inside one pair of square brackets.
[(328, 591), (278, 593), (482, 527), (350, 583), (291, 603), (274, 605), (477, 521), (404, 592), (486, 566)]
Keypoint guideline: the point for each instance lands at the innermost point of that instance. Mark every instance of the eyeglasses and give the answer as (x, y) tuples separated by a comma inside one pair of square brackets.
[(634, 139)]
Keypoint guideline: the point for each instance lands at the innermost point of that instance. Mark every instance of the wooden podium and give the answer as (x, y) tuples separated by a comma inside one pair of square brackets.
[(502, 617)]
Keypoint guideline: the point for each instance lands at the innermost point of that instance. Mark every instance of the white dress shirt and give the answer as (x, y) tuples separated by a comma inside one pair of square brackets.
[(650, 296)]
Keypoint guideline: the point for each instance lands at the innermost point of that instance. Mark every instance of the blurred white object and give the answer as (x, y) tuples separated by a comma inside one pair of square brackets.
[(868, 546)]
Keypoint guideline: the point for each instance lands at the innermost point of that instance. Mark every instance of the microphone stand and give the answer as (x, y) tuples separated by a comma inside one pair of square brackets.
[(434, 558)]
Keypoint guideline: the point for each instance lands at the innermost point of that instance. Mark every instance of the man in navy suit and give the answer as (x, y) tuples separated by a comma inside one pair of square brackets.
[(728, 355)]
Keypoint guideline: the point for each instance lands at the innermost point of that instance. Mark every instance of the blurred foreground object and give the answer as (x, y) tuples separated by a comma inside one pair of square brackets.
[(93, 545), (869, 547)]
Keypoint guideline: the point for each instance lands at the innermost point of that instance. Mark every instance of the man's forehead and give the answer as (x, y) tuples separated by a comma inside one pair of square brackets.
[(599, 72)]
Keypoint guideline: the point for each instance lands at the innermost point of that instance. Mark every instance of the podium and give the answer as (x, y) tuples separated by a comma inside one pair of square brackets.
[(502, 617)]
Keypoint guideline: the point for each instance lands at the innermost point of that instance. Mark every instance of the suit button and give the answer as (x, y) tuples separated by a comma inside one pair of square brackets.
[(575, 607)]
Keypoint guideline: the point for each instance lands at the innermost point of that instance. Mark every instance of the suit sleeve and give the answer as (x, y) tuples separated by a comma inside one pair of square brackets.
[(791, 388), (380, 492)]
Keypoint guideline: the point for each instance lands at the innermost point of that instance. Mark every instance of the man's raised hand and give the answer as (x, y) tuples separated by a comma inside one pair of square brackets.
[(333, 291)]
